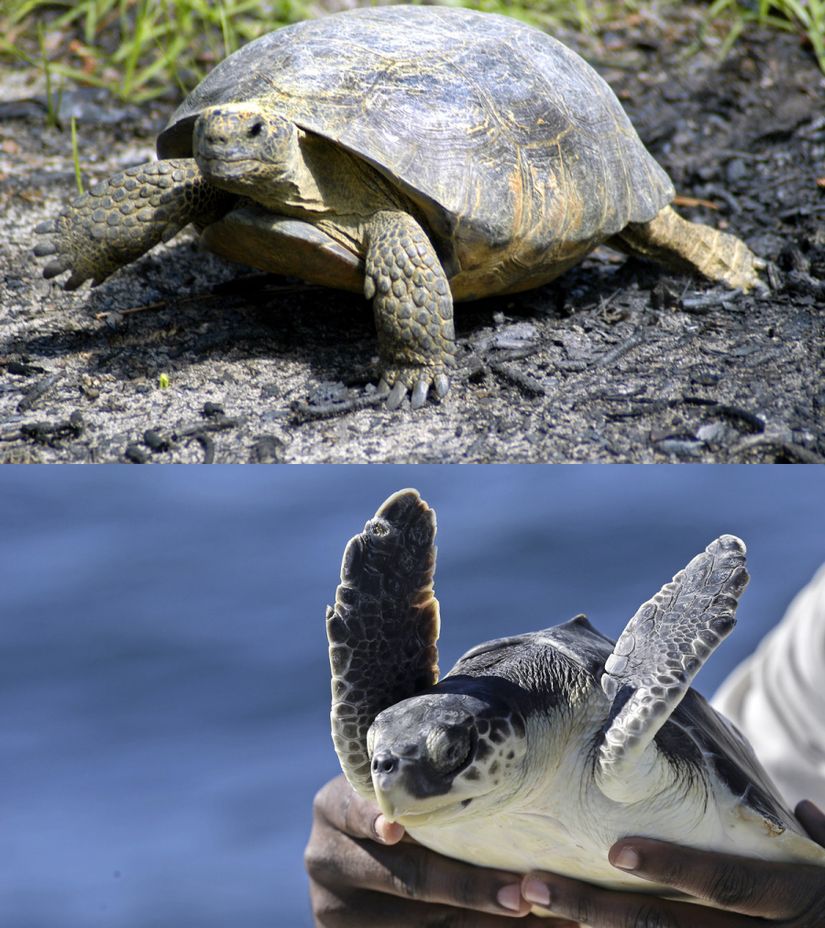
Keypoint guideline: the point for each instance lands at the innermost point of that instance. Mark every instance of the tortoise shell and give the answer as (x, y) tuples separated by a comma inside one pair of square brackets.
[(518, 155)]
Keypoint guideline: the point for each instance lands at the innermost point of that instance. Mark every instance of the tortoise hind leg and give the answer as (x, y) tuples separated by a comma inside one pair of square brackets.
[(691, 246), (124, 216)]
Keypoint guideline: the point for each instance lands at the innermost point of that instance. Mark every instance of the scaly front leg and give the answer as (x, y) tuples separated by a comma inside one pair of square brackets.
[(122, 217), (413, 308)]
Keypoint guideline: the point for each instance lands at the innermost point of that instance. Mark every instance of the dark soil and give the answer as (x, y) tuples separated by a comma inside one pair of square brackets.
[(616, 361)]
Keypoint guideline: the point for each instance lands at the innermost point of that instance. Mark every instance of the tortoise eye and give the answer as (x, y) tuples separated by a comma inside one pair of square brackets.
[(255, 129)]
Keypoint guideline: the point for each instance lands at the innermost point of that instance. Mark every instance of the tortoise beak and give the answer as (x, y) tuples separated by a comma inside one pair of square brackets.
[(210, 143)]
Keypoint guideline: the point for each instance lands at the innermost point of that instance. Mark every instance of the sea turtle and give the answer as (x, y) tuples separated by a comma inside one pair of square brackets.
[(419, 155), (539, 751)]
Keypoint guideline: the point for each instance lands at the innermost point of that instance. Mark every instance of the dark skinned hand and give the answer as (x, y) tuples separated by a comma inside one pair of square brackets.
[(364, 871), (750, 892)]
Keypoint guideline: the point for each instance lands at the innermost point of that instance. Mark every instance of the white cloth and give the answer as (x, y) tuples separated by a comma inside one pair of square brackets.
[(777, 697)]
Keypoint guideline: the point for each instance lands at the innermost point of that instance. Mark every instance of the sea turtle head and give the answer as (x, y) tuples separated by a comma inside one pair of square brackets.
[(244, 148), (436, 755)]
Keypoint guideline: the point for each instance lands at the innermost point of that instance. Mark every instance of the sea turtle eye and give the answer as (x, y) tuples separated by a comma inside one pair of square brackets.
[(448, 748)]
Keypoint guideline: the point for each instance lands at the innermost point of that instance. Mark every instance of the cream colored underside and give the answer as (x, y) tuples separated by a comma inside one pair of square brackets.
[(562, 823)]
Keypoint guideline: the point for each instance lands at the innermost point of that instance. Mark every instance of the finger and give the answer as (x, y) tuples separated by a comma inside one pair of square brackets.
[(340, 862), (583, 903), (342, 808), (377, 911), (742, 884), (411, 871), (343, 853), (813, 820)]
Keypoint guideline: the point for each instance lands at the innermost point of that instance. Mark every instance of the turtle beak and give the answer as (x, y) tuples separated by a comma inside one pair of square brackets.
[(397, 782), (387, 779), (387, 808)]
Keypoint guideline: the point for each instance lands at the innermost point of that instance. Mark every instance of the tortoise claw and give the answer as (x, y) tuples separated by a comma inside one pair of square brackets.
[(419, 394), (45, 248), (53, 268), (396, 395), (420, 382), (442, 385)]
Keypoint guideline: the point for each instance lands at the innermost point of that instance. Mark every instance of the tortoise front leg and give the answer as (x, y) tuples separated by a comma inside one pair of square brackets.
[(691, 246), (122, 217), (413, 307)]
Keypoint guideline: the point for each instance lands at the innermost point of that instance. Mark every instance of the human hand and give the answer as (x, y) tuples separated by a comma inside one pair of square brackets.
[(363, 870), (749, 892)]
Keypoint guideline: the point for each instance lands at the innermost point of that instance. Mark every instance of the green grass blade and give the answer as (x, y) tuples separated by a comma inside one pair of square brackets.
[(76, 158)]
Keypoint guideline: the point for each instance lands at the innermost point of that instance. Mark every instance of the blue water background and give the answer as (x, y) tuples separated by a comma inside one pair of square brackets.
[(163, 669)]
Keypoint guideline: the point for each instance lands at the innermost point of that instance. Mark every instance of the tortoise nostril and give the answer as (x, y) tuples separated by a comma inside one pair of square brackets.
[(213, 137), (256, 129)]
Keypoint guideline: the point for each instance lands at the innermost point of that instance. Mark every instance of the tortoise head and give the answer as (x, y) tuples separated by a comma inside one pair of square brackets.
[(243, 148), (438, 756)]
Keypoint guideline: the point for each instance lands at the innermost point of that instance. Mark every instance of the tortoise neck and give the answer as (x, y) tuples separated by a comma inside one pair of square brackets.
[(323, 180)]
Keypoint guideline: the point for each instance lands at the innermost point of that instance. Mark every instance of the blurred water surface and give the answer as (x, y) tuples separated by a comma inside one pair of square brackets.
[(163, 675)]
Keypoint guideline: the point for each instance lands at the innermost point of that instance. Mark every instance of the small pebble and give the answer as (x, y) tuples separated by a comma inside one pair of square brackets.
[(135, 454)]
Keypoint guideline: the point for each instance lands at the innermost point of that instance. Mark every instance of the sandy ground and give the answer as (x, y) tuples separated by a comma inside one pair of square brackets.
[(616, 361)]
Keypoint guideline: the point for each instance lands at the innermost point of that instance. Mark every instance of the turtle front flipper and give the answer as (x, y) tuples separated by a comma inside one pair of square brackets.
[(413, 307), (384, 626), (122, 217), (691, 246), (656, 657)]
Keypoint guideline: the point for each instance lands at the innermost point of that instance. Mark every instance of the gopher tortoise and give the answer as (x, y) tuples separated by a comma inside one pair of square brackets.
[(419, 155)]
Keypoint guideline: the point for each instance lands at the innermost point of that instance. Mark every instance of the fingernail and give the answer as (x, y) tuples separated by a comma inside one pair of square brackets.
[(811, 806), (536, 891), (509, 897), (387, 832), (626, 859)]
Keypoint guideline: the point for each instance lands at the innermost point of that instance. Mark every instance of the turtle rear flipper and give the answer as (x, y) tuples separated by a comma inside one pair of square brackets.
[(690, 246), (122, 217), (656, 657), (384, 626)]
